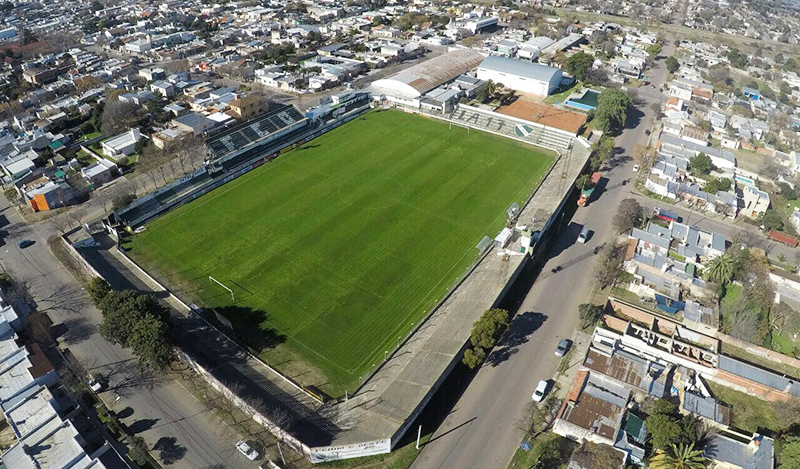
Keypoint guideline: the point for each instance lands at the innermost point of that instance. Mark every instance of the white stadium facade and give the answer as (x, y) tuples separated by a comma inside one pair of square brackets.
[(525, 77)]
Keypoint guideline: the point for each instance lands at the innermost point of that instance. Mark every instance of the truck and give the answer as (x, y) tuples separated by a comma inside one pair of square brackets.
[(586, 192), (665, 215)]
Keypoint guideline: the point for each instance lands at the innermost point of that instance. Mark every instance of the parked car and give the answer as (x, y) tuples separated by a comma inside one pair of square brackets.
[(540, 391), (562, 348), (584, 236), (636, 168), (248, 451), (647, 132), (26, 243)]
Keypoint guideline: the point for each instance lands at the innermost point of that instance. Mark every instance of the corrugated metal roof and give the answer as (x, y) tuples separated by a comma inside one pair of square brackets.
[(431, 73)]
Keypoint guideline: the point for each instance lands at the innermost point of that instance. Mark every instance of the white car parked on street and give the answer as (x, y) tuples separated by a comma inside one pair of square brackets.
[(248, 451), (540, 391)]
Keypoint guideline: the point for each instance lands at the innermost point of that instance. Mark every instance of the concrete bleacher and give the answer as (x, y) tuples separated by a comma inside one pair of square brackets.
[(512, 127)]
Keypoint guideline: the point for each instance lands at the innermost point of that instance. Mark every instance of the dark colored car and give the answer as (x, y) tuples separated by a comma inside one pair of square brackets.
[(26, 243)]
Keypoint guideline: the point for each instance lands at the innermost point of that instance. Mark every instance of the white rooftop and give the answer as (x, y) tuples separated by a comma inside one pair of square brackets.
[(52, 446), (30, 410)]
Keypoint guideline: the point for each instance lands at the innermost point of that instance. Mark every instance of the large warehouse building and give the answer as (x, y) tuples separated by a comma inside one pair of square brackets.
[(415, 81), (525, 77)]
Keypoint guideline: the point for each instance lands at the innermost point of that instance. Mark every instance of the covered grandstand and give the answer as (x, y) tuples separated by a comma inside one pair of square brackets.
[(280, 120), (415, 81)]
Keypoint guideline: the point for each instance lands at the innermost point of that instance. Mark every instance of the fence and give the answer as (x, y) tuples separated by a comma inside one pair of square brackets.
[(257, 416)]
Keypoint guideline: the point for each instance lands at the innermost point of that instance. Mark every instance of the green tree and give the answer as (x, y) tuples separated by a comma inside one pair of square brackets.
[(664, 430), (779, 58), (602, 152), (612, 110), (487, 91), (701, 163), (473, 357), (487, 328), (720, 269), (678, 457), (98, 289), (712, 186), (787, 191), (579, 64), (653, 50), (725, 184), (120, 315), (583, 181), (589, 314), (789, 452), (150, 341), (771, 220), (672, 64), (790, 64), (96, 6)]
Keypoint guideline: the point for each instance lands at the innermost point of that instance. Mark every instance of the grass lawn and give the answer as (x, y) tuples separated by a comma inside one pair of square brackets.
[(336, 249), (89, 136), (560, 95), (748, 413)]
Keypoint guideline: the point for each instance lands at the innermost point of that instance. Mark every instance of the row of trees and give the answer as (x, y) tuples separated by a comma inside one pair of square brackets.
[(135, 321), (484, 335)]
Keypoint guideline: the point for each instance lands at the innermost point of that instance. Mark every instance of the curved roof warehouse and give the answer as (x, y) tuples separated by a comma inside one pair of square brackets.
[(526, 77), (415, 81)]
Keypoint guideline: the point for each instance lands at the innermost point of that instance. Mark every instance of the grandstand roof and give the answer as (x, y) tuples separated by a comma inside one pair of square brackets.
[(545, 115), (527, 70), (425, 76), (254, 130)]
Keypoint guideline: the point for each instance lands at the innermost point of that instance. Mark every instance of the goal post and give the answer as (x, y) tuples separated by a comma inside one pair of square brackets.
[(213, 280)]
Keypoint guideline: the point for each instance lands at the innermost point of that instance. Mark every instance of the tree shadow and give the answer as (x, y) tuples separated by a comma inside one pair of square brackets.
[(169, 451), (517, 334), (250, 325), (73, 331), (635, 116), (125, 413), (142, 425)]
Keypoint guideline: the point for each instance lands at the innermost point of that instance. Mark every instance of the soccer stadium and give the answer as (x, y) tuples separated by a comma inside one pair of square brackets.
[(331, 253)]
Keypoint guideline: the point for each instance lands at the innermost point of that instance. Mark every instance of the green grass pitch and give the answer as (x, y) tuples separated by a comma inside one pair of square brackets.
[(337, 248)]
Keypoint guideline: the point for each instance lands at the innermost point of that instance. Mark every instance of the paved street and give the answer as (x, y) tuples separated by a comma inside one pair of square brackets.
[(481, 430), (157, 409)]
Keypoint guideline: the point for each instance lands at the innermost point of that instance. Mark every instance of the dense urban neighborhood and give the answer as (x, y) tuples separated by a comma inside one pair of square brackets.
[(399, 234)]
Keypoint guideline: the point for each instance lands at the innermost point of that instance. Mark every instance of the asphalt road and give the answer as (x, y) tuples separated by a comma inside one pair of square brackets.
[(158, 409), (481, 430)]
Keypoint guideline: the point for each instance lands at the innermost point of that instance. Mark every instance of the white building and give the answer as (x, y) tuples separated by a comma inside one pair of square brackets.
[(526, 77), (122, 144)]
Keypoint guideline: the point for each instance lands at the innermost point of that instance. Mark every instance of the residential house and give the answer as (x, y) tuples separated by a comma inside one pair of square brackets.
[(756, 201), (122, 144), (195, 123), (592, 410), (164, 87), (734, 450), (101, 172)]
